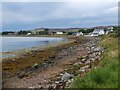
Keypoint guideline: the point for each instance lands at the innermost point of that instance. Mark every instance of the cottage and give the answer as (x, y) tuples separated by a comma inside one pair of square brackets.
[(79, 33), (29, 33), (59, 33), (110, 29), (97, 32)]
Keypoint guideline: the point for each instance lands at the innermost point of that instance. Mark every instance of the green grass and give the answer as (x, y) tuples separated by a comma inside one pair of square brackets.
[(106, 76)]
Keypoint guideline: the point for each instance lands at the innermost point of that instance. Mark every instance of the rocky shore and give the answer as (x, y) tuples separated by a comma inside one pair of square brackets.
[(53, 68)]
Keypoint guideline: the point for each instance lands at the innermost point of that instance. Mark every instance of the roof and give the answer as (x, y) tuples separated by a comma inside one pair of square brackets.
[(97, 30)]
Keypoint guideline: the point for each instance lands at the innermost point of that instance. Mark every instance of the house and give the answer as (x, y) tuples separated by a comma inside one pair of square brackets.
[(79, 33), (97, 32), (29, 33), (59, 33), (110, 29)]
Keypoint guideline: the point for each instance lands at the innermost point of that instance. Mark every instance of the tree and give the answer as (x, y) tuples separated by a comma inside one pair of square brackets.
[(46, 31), (7, 32), (86, 31)]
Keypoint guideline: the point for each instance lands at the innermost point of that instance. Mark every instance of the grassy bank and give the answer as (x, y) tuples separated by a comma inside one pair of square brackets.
[(106, 75)]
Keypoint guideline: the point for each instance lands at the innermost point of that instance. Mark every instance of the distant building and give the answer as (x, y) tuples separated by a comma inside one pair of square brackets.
[(29, 33), (97, 32), (59, 32), (79, 33), (110, 29)]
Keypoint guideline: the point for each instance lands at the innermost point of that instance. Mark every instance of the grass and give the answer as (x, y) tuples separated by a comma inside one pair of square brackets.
[(106, 76)]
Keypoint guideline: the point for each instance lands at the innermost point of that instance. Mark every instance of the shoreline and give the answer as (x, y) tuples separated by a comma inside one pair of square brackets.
[(18, 52), (19, 67), (21, 53)]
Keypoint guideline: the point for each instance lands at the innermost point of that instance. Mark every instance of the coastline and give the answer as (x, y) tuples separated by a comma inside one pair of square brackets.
[(21, 53), (18, 52), (13, 67)]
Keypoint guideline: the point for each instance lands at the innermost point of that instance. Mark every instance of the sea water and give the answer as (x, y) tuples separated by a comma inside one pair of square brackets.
[(15, 43)]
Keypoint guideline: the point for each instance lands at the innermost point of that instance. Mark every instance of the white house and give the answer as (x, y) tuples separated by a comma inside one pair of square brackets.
[(59, 32), (97, 32), (29, 33), (110, 29), (79, 33)]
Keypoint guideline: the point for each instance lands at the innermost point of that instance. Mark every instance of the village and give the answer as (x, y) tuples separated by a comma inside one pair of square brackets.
[(95, 31)]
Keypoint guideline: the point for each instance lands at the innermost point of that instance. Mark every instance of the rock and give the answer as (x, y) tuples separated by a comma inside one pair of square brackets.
[(99, 49), (61, 74), (35, 66), (22, 74), (89, 52), (82, 69), (87, 66), (66, 77), (99, 53), (87, 62), (32, 87), (56, 82), (83, 60), (97, 58), (78, 49), (92, 59), (84, 56), (13, 60), (78, 63)]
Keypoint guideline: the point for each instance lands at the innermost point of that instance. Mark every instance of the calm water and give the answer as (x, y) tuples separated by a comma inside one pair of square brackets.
[(14, 43)]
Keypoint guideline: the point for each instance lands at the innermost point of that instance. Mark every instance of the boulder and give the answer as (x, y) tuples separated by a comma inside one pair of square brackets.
[(66, 77)]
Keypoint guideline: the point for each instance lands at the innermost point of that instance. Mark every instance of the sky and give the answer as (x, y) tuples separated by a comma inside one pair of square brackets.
[(27, 15)]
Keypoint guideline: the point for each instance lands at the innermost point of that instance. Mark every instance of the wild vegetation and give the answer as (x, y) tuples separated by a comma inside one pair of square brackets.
[(106, 74)]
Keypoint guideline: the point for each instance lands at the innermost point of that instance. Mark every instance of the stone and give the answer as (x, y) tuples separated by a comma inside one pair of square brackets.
[(82, 69), (56, 82), (87, 62), (61, 74), (83, 60), (32, 87), (89, 52), (97, 49), (87, 66), (66, 77), (92, 59), (35, 66), (22, 74), (91, 56)]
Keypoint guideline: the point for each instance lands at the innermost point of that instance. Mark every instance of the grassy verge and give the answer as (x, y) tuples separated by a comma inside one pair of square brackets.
[(106, 75)]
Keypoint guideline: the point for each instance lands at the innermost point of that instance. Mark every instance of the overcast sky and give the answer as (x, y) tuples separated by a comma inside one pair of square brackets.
[(29, 15)]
